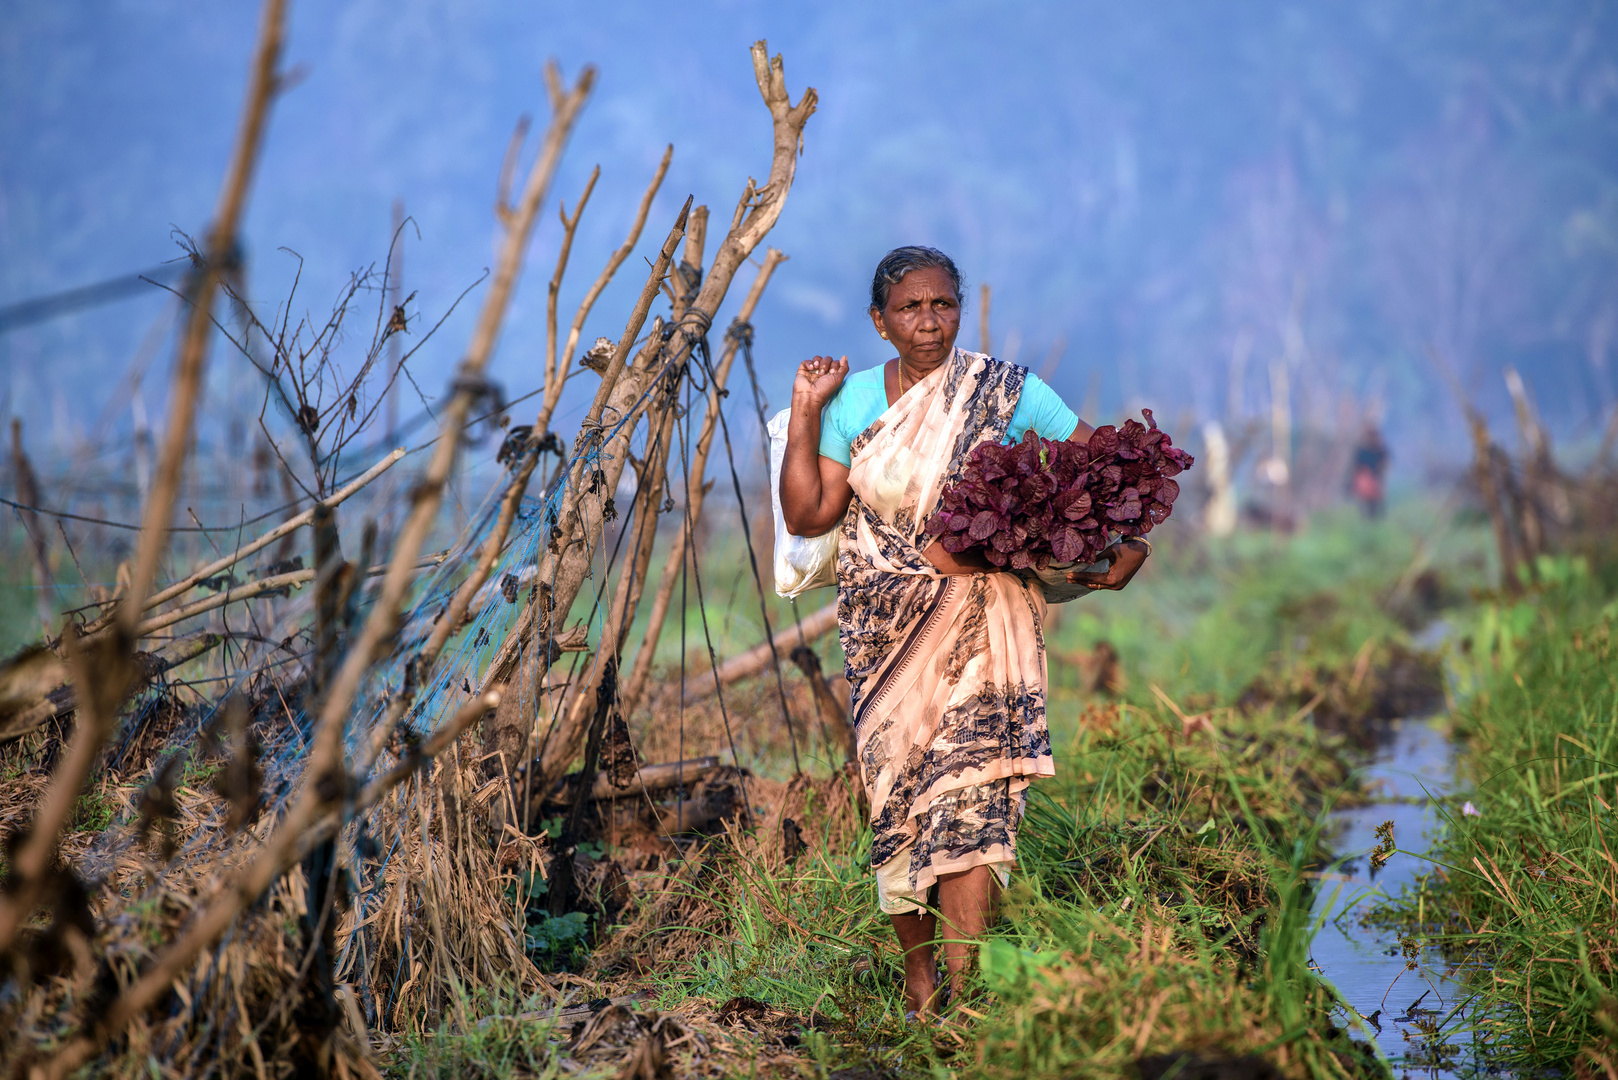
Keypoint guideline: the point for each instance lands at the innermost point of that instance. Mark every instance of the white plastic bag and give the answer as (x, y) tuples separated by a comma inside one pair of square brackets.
[(801, 562)]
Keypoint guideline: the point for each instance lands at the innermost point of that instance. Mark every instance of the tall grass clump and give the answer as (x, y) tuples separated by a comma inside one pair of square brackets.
[(1524, 886)]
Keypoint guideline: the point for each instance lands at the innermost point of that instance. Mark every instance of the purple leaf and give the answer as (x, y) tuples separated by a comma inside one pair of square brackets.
[(1067, 545), (1128, 508)]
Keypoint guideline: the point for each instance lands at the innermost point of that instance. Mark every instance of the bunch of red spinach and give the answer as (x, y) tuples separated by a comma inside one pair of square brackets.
[(1034, 503)]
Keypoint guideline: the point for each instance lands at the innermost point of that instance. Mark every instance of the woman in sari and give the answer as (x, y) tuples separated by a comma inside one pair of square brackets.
[(945, 656)]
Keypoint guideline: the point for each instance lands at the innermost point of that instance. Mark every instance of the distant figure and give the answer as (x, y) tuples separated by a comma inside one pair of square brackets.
[(1365, 481)]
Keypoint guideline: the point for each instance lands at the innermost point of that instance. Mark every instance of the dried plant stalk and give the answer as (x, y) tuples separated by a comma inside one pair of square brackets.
[(697, 469), (105, 683), (570, 226), (760, 656), (758, 211), (325, 775), (554, 385), (261, 587), (291, 525)]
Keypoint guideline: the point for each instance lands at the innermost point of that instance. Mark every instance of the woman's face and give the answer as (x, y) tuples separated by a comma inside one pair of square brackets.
[(922, 317)]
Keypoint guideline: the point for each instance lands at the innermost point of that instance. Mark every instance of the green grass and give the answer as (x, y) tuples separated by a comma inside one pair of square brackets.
[(504, 1046), (1524, 892), (93, 812)]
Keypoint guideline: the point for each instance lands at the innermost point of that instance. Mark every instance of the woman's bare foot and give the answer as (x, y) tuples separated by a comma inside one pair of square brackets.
[(967, 902), (918, 933)]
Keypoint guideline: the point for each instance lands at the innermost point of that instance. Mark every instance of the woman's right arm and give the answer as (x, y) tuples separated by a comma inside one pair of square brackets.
[(814, 489)]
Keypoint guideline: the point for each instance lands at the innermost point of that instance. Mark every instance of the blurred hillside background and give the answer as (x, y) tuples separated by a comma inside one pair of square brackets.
[(1193, 207)]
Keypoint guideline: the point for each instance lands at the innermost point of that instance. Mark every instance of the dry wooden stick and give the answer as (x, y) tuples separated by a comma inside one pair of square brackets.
[(758, 658), (590, 427), (553, 387), (570, 226), (626, 596), (508, 168), (283, 851), (32, 695), (689, 272), (28, 494), (291, 525), (631, 581), (325, 778), (761, 207), (237, 594), (555, 379), (758, 211), (697, 468), (569, 513), (520, 659), (499, 670), (1495, 500), (494, 543), (337, 498), (106, 682), (454, 616), (983, 317), (519, 220)]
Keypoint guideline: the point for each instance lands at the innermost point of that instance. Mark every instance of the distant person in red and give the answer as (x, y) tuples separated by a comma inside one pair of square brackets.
[(1365, 481)]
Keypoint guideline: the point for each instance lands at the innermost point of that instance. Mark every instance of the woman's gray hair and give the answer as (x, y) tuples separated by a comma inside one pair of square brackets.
[(900, 261)]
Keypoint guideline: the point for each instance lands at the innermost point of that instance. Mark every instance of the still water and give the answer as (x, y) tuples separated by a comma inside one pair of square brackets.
[(1367, 966)]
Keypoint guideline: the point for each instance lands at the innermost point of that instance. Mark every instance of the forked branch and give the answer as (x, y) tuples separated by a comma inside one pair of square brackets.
[(325, 778), (102, 685), (553, 386)]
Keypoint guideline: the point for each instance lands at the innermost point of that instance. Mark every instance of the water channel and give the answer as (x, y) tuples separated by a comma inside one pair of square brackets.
[(1367, 965)]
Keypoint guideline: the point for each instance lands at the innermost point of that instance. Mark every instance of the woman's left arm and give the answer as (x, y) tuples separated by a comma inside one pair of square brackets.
[(1123, 559)]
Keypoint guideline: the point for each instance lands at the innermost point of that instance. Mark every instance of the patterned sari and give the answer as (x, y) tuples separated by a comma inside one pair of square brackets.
[(946, 672)]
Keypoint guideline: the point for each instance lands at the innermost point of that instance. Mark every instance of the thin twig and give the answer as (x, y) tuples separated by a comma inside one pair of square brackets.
[(642, 670), (570, 227), (179, 588), (106, 685), (553, 387), (325, 779)]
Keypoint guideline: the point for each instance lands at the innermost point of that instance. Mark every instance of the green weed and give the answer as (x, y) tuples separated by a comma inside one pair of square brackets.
[(93, 812)]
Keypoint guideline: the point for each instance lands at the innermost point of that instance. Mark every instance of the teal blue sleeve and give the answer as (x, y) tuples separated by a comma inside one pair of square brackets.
[(835, 442), (1041, 409)]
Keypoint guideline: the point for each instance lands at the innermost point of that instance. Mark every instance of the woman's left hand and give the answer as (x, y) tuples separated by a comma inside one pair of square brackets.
[(1122, 559)]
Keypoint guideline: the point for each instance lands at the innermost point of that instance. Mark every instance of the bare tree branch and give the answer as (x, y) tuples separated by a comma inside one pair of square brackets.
[(105, 685), (756, 214), (697, 470), (569, 227), (553, 387)]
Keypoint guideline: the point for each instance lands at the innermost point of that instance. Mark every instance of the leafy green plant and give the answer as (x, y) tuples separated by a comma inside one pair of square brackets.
[(559, 943), (93, 812)]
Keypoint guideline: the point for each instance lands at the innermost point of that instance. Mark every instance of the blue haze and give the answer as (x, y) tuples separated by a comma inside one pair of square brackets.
[(1340, 185)]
